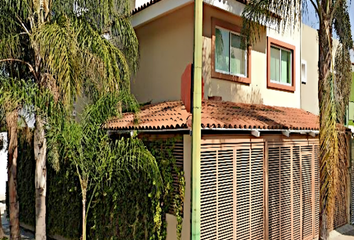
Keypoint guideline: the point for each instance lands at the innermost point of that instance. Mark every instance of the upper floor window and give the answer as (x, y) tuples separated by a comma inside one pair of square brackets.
[(281, 67), (230, 60)]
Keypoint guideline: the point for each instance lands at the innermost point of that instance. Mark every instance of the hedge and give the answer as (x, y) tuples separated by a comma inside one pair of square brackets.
[(128, 215)]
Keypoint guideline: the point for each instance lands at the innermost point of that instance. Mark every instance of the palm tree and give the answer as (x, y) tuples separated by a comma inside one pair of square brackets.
[(68, 47), (96, 158), (333, 16)]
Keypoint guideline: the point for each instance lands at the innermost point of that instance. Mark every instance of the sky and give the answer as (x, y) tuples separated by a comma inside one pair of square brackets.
[(310, 18)]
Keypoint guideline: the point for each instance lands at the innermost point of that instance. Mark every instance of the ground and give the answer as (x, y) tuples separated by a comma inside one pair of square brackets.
[(6, 225), (343, 233)]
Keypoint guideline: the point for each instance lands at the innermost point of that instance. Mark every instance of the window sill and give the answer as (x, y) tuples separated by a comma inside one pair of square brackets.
[(280, 87), (232, 78)]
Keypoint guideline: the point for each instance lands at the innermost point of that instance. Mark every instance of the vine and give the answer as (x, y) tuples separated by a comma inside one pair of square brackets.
[(162, 150)]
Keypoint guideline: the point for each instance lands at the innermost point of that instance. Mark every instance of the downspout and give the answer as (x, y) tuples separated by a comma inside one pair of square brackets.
[(196, 125)]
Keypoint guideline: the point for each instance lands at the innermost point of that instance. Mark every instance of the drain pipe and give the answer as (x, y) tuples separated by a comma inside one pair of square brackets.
[(197, 113)]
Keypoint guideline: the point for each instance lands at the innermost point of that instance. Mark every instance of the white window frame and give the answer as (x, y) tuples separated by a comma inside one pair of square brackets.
[(291, 65), (246, 53)]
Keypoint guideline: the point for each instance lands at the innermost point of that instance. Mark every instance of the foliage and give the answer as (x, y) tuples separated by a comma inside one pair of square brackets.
[(162, 150), (117, 212), (62, 45), (87, 147), (63, 200), (25, 168)]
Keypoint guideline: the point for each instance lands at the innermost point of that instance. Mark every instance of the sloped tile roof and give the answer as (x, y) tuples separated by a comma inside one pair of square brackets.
[(217, 114)]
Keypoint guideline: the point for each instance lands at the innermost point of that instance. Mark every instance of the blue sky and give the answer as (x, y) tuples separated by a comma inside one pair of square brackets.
[(311, 19)]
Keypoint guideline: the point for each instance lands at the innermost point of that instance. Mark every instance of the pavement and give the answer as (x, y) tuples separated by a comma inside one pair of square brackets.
[(6, 225), (343, 233)]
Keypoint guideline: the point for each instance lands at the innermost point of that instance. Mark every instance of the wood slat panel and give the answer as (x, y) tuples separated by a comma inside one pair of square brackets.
[(208, 195), (306, 157), (274, 193), (232, 192), (285, 194), (296, 194)]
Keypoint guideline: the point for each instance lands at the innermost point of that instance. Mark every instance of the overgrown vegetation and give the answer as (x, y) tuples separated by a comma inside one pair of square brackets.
[(126, 203), (66, 48)]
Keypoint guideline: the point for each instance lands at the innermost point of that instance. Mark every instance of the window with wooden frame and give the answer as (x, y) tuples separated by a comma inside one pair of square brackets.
[(280, 65), (230, 59)]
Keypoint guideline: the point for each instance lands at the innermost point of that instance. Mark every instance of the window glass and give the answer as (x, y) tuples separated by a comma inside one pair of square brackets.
[(274, 64), (238, 56), (280, 65), (230, 58), (285, 67), (222, 50)]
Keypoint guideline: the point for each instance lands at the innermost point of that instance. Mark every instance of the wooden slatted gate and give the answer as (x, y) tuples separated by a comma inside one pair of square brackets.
[(293, 191), (232, 192), (237, 179)]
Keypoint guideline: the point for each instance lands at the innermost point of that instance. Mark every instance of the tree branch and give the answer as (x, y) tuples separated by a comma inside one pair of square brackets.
[(21, 61), (315, 6)]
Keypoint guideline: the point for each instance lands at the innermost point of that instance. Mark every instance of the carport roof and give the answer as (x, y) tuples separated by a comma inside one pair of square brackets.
[(216, 115)]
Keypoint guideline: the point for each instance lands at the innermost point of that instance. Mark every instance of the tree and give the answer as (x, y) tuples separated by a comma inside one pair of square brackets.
[(67, 47), (14, 95), (333, 16), (96, 158)]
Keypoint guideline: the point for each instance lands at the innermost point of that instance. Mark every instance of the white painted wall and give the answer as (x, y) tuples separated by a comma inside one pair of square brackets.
[(3, 167)]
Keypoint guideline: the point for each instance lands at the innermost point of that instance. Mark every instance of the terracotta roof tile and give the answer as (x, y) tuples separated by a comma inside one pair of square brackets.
[(215, 114)]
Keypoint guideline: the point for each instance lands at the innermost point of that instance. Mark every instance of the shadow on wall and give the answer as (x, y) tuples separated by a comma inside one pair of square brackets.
[(229, 91)]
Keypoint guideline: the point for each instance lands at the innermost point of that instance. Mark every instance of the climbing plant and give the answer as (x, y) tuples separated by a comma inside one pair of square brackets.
[(163, 151)]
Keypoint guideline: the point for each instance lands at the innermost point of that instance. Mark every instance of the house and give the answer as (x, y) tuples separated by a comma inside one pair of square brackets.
[(259, 146)]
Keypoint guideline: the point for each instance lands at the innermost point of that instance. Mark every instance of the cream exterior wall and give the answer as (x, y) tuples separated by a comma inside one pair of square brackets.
[(309, 53), (172, 220), (257, 92), (166, 48)]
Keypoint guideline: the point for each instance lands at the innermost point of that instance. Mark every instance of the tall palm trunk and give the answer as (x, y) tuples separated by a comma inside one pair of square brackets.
[(40, 151), (328, 134), (84, 193), (11, 122)]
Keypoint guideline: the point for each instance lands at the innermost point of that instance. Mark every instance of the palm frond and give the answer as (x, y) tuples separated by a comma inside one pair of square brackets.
[(279, 13), (342, 81)]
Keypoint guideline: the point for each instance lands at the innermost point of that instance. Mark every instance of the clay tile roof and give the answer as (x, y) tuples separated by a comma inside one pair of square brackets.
[(216, 114)]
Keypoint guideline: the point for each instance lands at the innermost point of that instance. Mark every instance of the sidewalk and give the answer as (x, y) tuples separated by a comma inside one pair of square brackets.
[(6, 226), (343, 233)]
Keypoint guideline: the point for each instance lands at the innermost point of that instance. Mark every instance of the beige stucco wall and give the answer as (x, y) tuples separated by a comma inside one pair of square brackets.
[(257, 91), (171, 220), (166, 48), (309, 53)]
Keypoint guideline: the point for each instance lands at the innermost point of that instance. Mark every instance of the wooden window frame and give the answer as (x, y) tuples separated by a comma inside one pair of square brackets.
[(229, 77), (286, 46)]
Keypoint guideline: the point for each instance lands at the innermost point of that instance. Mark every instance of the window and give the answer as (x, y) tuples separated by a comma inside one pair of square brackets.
[(280, 65), (230, 60), (281, 71)]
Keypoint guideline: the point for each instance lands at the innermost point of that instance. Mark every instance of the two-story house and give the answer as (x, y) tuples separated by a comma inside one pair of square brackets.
[(259, 148)]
